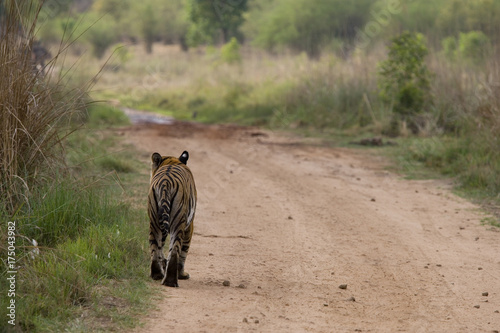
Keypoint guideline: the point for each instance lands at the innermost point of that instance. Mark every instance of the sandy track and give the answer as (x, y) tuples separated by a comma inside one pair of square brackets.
[(287, 223)]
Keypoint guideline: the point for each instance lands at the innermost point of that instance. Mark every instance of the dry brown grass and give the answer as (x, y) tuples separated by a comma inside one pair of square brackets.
[(34, 106)]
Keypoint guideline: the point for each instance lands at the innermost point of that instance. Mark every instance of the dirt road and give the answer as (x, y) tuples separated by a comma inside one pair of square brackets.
[(286, 223)]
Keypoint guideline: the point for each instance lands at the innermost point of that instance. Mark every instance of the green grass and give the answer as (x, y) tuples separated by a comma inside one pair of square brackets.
[(90, 270), (469, 161), (101, 115), (495, 222), (97, 149), (87, 237), (475, 165)]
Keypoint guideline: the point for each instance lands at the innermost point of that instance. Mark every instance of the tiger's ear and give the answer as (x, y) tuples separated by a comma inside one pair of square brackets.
[(184, 157), (156, 159)]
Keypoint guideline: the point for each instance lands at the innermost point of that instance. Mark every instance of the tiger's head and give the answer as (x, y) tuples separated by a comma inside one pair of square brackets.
[(157, 161)]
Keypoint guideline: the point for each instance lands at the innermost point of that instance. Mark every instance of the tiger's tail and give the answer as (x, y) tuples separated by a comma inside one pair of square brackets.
[(161, 214)]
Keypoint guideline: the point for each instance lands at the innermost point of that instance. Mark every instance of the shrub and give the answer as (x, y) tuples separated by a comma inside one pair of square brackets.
[(450, 47), (101, 35), (230, 52), (474, 46), (404, 79)]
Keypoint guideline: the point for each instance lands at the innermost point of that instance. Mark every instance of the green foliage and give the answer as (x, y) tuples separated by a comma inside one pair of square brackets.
[(100, 114), (417, 16), (450, 47), (211, 19), (86, 237), (116, 8), (459, 16), (122, 54), (483, 16), (173, 23), (51, 31), (452, 18), (304, 25), (404, 79), (320, 103), (474, 46), (65, 211), (470, 159), (73, 235), (82, 243), (101, 35), (149, 26), (230, 52)]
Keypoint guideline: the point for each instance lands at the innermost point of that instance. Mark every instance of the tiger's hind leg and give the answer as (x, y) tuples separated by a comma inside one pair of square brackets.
[(158, 262), (157, 235), (156, 244), (171, 277), (186, 242), (175, 246), (156, 269)]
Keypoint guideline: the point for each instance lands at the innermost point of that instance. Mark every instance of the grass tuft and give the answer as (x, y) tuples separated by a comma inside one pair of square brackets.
[(35, 107)]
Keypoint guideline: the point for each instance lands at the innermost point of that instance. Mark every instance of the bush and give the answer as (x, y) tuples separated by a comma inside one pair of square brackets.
[(474, 46), (230, 52), (101, 35), (450, 47), (404, 79)]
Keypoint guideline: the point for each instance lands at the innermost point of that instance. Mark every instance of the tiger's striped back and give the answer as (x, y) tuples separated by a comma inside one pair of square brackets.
[(171, 210)]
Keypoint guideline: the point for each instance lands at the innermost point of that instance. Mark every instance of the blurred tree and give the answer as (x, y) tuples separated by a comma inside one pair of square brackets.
[(474, 46), (101, 35), (307, 25), (450, 47), (418, 16), (116, 8), (458, 16), (173, 24), (213, 18), (484, 15), (452, 17), (149, 26)]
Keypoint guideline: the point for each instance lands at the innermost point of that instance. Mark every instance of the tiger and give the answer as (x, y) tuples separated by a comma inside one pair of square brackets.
[(171, 210)]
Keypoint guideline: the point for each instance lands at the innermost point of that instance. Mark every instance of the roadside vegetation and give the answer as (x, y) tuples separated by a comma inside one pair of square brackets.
[(78, 240)]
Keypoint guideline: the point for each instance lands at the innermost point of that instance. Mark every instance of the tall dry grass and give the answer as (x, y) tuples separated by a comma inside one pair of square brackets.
[(35, 107)]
